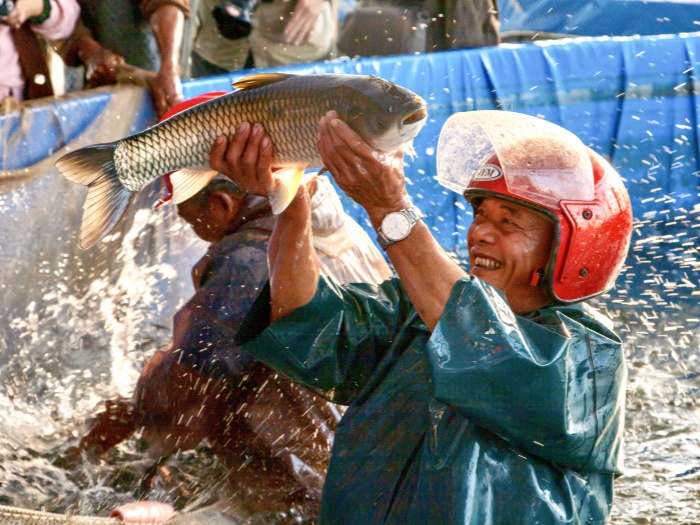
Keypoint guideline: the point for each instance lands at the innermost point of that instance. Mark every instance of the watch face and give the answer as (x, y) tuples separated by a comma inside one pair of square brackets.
[(396, 226)]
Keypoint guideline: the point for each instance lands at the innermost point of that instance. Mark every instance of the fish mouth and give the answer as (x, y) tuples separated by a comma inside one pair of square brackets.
[(416, 116)]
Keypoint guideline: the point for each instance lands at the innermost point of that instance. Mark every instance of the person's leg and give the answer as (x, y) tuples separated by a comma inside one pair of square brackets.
[(295, 426), (276, 444)]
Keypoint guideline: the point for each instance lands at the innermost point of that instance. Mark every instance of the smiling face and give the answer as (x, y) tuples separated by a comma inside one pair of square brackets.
[(508, 243)]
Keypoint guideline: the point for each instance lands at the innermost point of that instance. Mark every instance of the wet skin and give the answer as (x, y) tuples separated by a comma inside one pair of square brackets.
[(507, 244), (211, 220)]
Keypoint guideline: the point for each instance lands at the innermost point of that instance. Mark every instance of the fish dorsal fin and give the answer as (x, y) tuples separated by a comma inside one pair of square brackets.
[(259, 80), (188, 182)]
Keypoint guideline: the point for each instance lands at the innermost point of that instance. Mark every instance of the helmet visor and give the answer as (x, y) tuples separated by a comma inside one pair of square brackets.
[(539, 161)]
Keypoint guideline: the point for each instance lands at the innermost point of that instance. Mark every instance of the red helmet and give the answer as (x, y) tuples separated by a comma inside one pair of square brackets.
[(187, 104), (540, 165), (178, 108)]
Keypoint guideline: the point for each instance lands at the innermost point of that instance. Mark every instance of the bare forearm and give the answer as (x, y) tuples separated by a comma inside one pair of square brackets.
[(427, 272), (167, 24), (292, 259), (376, 181), (293, 268)]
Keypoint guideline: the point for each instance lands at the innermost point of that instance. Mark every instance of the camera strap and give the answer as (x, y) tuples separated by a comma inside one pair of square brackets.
[(32, 60)]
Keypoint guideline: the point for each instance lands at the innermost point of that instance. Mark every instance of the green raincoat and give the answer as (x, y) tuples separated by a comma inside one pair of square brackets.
[(491, 419)]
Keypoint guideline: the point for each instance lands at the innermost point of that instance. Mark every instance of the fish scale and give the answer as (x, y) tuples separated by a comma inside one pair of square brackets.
[(387, 116)]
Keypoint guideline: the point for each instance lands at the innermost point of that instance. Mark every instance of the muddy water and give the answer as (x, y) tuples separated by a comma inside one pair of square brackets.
[(662, 479)]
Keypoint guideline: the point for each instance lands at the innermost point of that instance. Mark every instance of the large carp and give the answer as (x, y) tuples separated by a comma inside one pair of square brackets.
[(290, 107)]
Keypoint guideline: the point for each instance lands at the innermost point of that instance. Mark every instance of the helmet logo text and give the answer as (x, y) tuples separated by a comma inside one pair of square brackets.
[(488, 172)]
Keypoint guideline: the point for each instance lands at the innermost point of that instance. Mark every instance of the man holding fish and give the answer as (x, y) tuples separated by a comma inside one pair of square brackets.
[(489, 397), (494, 396), (386, 115)]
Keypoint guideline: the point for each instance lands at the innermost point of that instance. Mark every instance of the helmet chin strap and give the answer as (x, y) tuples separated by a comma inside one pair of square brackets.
[(168, 192), (536, 278)]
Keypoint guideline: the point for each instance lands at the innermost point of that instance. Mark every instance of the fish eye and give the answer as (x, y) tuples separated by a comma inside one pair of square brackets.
[(395, 92), (391, 89)]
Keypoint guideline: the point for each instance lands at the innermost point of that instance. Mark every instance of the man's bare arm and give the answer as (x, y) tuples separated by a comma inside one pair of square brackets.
[(292, 262), (168, 25), (376, 182), (291, 258)]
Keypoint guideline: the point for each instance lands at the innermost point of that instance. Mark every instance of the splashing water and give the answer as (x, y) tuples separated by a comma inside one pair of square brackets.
[(656, 312), (85, 329), (76, 332)]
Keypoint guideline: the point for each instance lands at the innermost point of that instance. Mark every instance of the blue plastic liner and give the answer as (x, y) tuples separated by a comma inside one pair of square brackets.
[(600, 17)]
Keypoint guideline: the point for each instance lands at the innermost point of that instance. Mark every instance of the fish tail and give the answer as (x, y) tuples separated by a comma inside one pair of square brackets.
[(107, 198)]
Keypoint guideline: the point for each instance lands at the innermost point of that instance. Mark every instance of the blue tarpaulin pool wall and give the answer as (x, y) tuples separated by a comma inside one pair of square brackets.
[(599, 17)]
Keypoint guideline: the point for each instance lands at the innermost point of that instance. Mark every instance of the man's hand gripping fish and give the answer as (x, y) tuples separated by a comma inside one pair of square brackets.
[(387, 116)]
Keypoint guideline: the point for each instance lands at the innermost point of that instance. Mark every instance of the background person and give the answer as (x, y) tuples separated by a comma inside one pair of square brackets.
[(282, 32), (212, 52), (495, 396), (296, 32), (25, 73), (393, 27), (147, 34)]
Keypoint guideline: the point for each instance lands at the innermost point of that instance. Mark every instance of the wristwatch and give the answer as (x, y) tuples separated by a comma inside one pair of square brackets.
[(397, 225)]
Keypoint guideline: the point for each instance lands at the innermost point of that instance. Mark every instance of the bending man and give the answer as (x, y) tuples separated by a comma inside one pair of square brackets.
[(273, 435)]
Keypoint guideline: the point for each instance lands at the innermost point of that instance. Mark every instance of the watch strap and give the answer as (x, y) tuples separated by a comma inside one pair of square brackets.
[(413, 214)]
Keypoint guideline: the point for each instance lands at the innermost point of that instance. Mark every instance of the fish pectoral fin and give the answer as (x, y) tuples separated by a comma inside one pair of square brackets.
[(188, 182), (409, 150), (289, 180), (259, 80)]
